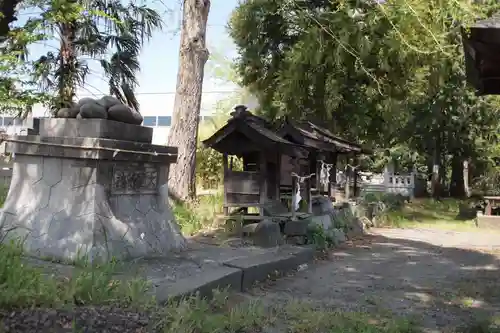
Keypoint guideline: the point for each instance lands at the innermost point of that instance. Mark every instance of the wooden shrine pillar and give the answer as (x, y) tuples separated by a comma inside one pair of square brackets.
[(278, 176), (262, 182), (332, 184), (307, 194), (355, 176), (347, 187), (294, 197), (319, 186), (226, 171)]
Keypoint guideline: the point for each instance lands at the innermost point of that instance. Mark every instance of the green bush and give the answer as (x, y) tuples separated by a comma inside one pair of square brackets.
[(385, 201), (209, 168), (199, 214)]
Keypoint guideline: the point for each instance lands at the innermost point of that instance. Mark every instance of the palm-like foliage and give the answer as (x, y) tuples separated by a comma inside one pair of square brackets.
[(107, 25)]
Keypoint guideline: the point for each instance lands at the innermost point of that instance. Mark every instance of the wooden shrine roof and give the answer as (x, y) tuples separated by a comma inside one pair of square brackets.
[(245, 133), (317, 137), (481, 43)]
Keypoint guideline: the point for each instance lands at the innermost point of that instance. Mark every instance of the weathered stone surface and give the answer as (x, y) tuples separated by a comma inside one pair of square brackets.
[(67, 113), (491, 222), (90, 149), (323, 221), (249, 229), (260, 267), (64, 208), (296, 240), (94, 128), (346, 216), (267, 234), (123, 113), (85, 100), (108, 101), (93, 110), (321, 205), (338, 236), (296, 228)]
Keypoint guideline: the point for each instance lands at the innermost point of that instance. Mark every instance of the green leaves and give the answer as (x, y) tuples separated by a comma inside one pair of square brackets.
[(111, 32)]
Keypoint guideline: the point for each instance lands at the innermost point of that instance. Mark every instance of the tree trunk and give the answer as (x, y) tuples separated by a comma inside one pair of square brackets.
[(193, 55), (67, 80), (457, 189), (8, 10)]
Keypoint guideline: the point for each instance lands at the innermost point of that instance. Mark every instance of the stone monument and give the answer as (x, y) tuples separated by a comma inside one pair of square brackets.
[(93, 187)]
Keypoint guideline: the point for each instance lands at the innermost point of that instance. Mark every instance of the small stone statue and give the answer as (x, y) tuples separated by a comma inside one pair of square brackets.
[(107, 107)]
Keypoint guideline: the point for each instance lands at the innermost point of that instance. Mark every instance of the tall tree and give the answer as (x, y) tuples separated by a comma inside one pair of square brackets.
[(193, 55), (389, 73), (100, 27)]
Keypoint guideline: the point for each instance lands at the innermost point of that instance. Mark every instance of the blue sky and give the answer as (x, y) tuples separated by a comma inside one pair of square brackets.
[(159, 60)]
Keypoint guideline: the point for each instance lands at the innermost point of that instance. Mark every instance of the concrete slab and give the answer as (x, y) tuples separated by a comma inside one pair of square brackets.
[(220, 277), (260, 267), (200, 269)]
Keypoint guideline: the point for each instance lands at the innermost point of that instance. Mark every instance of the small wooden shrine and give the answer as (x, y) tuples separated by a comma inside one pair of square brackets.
[(255, 141), (481, 43), (324, 150)]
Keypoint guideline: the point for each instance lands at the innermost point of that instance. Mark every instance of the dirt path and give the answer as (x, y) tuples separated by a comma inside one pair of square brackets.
[(439, 277)]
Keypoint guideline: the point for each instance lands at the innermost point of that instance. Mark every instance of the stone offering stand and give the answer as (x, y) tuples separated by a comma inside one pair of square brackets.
[(90, 188)]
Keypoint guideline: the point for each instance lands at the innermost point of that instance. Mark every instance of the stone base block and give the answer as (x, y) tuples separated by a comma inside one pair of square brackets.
[(91, 128), (74, 209), (488, 221)]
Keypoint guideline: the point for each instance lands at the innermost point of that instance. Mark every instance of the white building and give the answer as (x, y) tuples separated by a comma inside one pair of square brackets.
[(161, 126)]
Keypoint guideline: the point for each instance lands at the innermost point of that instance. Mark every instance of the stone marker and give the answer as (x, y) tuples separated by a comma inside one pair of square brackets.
[(321, 205), (338, 236), (90, 197), (296, 228), (267, 234)]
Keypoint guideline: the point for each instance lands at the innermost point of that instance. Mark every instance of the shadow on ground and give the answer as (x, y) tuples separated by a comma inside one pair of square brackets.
[(444, 288)]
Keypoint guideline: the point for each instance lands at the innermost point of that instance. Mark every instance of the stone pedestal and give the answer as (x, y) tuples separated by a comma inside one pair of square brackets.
[(77, 197)]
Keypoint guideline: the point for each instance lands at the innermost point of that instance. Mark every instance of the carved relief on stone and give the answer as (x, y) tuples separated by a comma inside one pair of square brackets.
[(132, 179)]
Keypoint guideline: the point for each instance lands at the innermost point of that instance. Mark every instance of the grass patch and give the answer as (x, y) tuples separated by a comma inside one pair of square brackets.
[(4, 190), (199, 214), (428, 213), (304, 318), (23, 285), (222, 315)]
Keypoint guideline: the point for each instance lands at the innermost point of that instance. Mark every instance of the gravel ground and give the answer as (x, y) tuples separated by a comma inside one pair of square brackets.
[(80, 319), (430, 275), (445, 279)]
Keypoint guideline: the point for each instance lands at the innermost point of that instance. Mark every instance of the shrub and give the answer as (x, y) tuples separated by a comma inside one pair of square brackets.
[(196, 215)]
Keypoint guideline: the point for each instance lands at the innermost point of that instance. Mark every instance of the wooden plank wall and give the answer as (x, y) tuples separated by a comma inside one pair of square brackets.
[(242, 188)]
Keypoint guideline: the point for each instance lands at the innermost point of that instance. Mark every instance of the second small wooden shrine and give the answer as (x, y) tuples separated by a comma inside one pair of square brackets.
[(255, 141), (324, 149)]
